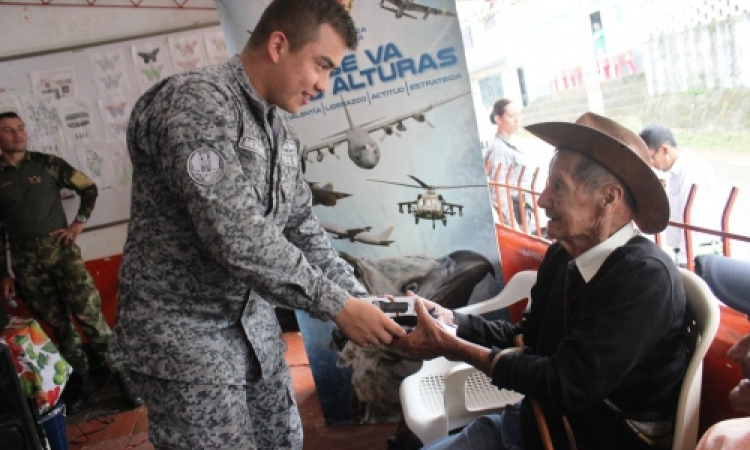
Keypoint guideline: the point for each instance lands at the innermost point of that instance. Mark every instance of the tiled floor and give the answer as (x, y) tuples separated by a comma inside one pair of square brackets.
[(105, 426)]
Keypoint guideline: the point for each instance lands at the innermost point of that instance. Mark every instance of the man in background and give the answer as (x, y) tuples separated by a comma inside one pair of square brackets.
[(49, 273), (222, 229), (685, 168)]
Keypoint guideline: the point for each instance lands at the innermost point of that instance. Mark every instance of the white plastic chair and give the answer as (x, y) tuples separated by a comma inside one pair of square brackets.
[(705, 311), (428, 412)]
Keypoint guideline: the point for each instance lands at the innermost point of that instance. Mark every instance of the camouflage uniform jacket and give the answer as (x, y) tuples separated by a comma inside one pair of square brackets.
[(221, 227), (30, 203)]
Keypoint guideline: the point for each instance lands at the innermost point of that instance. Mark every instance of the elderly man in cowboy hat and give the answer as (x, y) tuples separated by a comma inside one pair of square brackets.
[(605, 336)]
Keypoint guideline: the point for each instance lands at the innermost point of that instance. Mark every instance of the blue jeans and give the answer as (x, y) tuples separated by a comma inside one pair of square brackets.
[(492, 432)]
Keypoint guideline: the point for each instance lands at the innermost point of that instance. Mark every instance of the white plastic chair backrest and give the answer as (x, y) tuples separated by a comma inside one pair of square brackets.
[(518, 288), (704, 309)]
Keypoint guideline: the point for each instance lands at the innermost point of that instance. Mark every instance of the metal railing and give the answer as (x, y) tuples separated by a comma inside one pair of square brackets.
[(507, 187)]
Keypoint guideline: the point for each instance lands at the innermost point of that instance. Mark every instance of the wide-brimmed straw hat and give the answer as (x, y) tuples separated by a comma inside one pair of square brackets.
[(620, 151)]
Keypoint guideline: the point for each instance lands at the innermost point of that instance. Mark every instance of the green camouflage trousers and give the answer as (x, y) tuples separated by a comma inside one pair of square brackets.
[(55, 286)]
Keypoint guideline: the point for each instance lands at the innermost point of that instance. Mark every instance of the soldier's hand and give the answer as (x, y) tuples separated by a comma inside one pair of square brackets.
[(68, 236), (365, 324), (9, 288)]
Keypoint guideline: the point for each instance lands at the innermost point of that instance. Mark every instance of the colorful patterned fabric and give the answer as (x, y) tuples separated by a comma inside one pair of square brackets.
[(43, 372)]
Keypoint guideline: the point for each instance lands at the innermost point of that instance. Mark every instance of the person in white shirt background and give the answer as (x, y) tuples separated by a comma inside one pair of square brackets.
[(683, 168)]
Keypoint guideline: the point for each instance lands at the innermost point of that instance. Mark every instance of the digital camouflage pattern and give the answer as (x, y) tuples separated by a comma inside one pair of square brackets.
[(53, 283), (260, 415), (221, 229)]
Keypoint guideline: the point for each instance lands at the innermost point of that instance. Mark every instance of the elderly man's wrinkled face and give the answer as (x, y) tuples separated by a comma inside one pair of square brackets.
[(574, 216)]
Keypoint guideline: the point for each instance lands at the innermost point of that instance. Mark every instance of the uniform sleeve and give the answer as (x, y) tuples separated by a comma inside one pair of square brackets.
[(227, 214), (69, 177), (305, 232)]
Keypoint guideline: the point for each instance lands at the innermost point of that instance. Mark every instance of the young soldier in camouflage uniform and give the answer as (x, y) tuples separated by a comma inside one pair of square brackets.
[(222, 229), (52, 279)]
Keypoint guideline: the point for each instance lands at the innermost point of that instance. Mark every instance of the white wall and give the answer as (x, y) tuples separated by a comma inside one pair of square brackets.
[(32, 29)]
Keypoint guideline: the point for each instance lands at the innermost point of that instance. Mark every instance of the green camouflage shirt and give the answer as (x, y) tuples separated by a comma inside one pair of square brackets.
[(30, 202)]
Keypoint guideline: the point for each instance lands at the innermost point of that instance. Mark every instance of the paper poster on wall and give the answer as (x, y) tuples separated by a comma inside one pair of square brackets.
[(75, 116), (109, 71), (9, 103), (393, 159), (152, 63), (42, 120), (56, 84), (94, 161), (216, 47), (115, 113), (188, 52), (122, 168)]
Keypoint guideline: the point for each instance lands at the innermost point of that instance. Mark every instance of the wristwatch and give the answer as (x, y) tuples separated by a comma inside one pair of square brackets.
[(81, 218)]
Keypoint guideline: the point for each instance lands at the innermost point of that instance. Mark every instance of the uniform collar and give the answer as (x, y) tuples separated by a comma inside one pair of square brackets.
[(267, 109), (3, 164), (592, 259)]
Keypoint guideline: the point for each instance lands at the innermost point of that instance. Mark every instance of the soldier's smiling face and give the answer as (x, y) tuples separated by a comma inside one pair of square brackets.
[(305, 73)]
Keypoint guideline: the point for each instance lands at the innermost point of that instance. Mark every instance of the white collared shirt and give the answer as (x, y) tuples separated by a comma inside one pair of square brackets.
[(689, 169), (590, 261)]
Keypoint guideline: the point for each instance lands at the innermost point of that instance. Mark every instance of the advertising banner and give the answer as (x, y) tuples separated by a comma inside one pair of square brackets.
[(393, 158)]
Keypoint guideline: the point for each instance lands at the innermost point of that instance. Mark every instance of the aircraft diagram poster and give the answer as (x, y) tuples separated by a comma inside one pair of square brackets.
[(392, 154)]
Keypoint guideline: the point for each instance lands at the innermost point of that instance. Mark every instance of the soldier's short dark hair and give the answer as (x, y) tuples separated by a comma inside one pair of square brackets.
[(656, 135), (300, 21), (8, 114)]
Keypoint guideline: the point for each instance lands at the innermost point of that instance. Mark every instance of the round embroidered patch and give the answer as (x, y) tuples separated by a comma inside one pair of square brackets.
[(205, 166)]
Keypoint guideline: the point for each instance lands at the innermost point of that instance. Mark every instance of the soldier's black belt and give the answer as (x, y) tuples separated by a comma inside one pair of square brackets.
[(46, 241)]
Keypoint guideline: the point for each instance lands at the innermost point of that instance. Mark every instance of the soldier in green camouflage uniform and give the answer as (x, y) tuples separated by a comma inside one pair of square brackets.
[(222, 229), (49, 271)]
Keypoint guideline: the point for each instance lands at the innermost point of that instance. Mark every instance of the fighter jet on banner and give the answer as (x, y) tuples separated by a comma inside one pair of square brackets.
[(359, 234), (363, 150), (402, 8), (325, 195)]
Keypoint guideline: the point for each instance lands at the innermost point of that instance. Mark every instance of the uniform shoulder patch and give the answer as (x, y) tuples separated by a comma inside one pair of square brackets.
[(206, 166)]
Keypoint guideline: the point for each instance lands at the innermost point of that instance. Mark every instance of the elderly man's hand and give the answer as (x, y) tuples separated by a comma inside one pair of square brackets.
[(430, 338)]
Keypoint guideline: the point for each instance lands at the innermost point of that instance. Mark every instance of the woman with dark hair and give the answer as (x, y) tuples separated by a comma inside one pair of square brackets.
[(502, 155)]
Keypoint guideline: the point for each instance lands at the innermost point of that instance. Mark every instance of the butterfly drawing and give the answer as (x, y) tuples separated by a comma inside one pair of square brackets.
[(107, 63), (149, 56), (111, 81), (153, 73), (189, 64), (116, 110), (119, 127), (219, 44), (186, 49)]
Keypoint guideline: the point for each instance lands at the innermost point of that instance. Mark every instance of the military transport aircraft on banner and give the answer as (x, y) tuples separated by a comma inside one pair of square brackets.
[(363, 150), (402, 8)]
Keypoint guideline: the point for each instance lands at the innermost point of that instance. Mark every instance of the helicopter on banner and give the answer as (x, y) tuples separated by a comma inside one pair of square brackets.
[(430, 205)]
